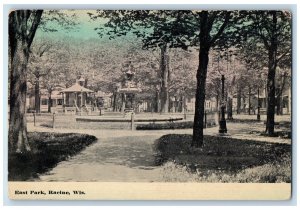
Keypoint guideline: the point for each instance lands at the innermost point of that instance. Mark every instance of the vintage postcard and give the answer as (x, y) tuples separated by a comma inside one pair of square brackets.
[(149, 105)]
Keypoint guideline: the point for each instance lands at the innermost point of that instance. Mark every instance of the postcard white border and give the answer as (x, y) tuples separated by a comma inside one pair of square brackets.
[(6, 8)]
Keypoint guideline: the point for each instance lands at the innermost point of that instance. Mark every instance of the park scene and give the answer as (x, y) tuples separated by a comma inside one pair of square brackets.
[(150, 96)]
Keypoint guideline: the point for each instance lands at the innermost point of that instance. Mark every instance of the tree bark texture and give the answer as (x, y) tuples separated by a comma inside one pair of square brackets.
[(201, 80), (206, 41), (164, 70), (21, 35), (272, 64), (18, 141)]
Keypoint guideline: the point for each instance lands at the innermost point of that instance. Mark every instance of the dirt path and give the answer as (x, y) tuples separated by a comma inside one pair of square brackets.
[(118, 155), (125, 155), (110, 159)]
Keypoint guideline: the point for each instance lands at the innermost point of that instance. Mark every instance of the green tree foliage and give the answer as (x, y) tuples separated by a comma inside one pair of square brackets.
[(156, 29), (174, 29), (273, 30)]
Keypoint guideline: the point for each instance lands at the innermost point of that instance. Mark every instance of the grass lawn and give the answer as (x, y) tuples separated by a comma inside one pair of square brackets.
[(223, 160), (48, 149)]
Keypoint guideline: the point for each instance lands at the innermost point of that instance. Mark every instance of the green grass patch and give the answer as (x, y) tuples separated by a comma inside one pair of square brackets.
[(48, 149), (225, 159)]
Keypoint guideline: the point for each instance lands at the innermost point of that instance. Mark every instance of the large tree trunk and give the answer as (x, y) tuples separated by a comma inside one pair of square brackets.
[(271, 80), (18, 141), (164, 69), (206, 41), (201, 81), (21, 34), (200, 97), (37, 99), (271, 100)]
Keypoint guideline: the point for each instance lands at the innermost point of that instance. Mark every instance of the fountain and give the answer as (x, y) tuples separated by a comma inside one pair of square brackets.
[(128, 90)]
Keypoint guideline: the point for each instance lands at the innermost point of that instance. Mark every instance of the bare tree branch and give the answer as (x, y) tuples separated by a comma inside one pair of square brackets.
[(35, 23)]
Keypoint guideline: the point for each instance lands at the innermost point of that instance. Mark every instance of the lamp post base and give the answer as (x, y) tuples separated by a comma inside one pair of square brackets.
[(223, 128), (258, 117)]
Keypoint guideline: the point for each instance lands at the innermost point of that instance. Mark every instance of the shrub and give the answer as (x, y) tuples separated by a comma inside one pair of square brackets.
[(169, 125)]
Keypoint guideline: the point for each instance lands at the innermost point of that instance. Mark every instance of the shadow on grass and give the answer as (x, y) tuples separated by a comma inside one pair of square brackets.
[(234, 120), (170, 125), (278, 125), (48, 149), (221, 155), (280, 134)]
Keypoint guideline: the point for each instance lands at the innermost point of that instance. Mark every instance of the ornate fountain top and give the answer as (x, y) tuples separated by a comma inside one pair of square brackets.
[(129, 86)]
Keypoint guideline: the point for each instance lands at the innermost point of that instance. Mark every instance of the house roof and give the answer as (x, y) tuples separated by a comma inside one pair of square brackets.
[(76, 88)]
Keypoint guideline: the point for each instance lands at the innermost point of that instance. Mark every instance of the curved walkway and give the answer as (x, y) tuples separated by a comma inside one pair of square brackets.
[(125, 155), (118, 155)]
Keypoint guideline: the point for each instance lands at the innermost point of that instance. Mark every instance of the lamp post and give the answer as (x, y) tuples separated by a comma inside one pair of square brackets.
[(222, 122)]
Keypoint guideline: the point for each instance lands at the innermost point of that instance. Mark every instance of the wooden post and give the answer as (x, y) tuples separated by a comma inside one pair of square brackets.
[(53, 122), (132, 121)]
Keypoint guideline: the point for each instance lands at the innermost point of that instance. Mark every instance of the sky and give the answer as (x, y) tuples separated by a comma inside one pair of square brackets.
[(84, 28)]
